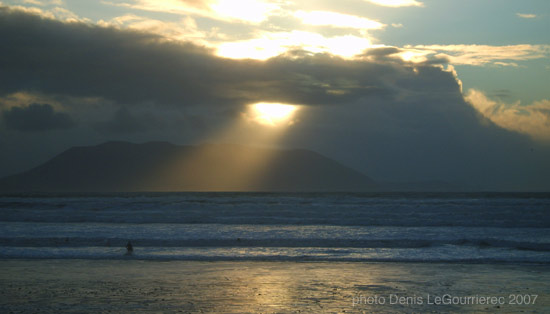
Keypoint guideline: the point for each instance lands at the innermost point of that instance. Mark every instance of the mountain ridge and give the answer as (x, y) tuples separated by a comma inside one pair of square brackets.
[(118, 166)]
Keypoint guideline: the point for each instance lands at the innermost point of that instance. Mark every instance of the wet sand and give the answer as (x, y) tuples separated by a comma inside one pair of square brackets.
[(130, 286)]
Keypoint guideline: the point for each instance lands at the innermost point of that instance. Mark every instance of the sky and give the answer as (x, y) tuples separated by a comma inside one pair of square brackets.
[(401, 90)]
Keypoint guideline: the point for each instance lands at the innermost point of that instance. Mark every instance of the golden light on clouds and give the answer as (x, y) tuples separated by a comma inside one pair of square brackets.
[(413, 55), (272, 114), (533, 119), (269, 45), (397, 3), (326, 18), (526, 16), (251, 11), (259, 48), (485, 54), (244, 10)]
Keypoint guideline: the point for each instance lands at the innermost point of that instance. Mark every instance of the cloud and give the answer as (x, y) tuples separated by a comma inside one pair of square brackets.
[(347, 34), (43, 2), (382, 52), (526, 16), (35, 2), (124, 121), (103, 61), (183, 30), (480, 55), (248, 11), (269, 44), (533, 119), (327, 18), (35, 118), (170, 6), (263, 44), (33, 10), (55, 12), (91, 61), (254, 11), (396, 3), (391, 118)]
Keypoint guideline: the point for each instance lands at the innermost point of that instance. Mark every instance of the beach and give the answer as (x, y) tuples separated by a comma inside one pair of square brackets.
[(129, 286), (275, 253), (270, 156)]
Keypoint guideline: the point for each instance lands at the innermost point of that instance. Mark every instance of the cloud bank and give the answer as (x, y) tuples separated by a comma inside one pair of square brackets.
[(36, 117), (480, 55), (393, 119)]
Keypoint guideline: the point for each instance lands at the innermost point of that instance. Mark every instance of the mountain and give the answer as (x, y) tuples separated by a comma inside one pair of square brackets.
[(160, 166)]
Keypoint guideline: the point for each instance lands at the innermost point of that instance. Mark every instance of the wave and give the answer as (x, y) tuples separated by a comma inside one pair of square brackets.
[(262, 226), (420, 209), (75, 242)]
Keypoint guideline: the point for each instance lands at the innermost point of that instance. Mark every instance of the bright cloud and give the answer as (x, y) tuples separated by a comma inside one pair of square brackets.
[(526, 16), (55, 12), (170, 6), (397, 3), (271, 41), (479, 55), (43, 2), (34, 2), (184, 30), (268, 45), (533, 119), (265, 44), (246, 10), (252, 11), (326, 18)]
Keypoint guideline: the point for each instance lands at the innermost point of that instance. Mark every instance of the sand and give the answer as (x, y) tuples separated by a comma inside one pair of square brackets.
[(132, 286)]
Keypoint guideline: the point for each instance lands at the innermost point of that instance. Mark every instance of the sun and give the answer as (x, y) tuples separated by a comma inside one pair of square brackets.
[(273, 114)]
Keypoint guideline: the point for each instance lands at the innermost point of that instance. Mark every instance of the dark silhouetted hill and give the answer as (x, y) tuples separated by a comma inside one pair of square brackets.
[(160, 166)]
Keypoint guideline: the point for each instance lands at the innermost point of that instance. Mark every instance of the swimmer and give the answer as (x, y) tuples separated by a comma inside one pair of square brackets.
[(129, 248)]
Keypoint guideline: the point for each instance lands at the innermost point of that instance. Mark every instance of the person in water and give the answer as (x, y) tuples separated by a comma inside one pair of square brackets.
[(129, 248)]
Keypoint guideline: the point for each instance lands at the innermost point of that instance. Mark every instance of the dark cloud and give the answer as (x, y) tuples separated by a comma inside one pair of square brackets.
[(124, 121), (390, 118), (35, 118), (388, 54), (382, 52), (131, 67)]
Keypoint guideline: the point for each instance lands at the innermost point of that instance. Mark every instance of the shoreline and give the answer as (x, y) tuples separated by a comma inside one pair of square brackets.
[(130, 286), (298, 260)]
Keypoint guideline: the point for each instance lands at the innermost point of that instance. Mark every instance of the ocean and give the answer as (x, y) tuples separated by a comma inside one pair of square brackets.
[(352, 227)]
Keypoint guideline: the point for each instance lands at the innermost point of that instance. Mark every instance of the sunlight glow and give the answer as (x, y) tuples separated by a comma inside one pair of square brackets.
[(272, 44), (273, 114), (258, 48), (413, 55)]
